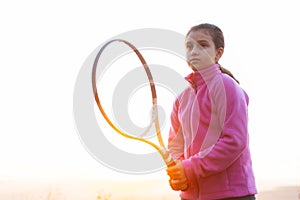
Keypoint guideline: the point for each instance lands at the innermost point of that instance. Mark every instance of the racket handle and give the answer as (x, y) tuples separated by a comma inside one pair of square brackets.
[(171, 162), (183, 187)]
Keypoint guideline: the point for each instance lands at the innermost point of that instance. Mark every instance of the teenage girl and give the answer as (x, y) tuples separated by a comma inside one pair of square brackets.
[(209, 126)]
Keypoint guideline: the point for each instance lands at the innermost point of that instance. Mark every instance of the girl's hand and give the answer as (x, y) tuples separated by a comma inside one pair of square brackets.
[(178, 180)]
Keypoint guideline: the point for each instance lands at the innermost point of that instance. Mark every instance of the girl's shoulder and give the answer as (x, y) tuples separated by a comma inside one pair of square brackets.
[(224, 80), (223, 83)]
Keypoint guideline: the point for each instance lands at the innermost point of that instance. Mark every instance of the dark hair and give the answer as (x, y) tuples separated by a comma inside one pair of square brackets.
[(218, 39)]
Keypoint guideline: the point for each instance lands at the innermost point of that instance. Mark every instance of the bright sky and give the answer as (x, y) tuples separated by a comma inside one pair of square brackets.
[(43, 45)]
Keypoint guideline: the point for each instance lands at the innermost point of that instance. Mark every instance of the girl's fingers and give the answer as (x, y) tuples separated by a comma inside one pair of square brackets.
[(176, 171), (178, 184), (172, 169), (175, 176)]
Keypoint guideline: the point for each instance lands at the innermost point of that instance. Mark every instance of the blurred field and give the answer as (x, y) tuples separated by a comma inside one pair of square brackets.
[(281, 193), (111, 190)]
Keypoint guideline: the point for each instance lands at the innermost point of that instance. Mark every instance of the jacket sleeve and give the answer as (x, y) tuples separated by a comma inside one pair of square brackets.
[(234, 132), (175, 140)]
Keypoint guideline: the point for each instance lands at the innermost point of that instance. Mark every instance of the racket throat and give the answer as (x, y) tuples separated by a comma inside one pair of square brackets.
[(167, 157)]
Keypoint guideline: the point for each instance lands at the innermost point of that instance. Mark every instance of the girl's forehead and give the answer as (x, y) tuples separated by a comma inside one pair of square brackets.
[(197, 35)]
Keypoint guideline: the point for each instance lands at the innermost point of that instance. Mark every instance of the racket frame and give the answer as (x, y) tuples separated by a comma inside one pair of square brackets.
[(161, 147)]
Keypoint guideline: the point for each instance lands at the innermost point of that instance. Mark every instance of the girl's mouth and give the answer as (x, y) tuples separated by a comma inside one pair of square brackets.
[(194, 59)]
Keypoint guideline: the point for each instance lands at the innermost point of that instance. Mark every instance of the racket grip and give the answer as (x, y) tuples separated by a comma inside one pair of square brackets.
[(171, 162)]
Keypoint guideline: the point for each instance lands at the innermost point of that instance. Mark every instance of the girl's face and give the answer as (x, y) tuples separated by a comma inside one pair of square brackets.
[(200, 50)]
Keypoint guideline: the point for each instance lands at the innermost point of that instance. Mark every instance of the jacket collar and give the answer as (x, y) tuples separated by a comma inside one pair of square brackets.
[(199, 77)]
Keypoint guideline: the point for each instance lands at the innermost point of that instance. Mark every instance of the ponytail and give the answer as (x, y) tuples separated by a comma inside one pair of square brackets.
[(226, 71)]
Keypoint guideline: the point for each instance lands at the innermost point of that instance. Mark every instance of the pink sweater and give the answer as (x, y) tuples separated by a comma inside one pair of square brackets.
[(209, 133)]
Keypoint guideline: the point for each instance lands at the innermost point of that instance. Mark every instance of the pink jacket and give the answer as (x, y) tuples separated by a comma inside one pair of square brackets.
[(209, 133)]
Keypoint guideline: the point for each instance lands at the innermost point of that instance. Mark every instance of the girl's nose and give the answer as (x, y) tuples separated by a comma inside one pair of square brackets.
[(194, 51)]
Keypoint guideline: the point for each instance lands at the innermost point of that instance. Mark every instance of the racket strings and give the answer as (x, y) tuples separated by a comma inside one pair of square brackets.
[(154, 118)]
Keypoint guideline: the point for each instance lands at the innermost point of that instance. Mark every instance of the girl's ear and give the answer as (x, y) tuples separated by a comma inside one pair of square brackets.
[(219, 54)]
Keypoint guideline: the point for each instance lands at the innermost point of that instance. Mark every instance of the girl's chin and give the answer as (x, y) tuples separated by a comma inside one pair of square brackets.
[(195, 67)]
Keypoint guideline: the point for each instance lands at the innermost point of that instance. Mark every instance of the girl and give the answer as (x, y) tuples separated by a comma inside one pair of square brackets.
[(209, 134)]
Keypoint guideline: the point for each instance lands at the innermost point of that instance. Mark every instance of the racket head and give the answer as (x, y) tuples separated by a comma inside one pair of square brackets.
[(154, 110)]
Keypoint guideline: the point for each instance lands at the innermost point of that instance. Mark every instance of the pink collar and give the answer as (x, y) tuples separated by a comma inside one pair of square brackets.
[(202, 76)]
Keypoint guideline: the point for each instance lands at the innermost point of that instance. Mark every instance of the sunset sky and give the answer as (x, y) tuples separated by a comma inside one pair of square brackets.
[(44, 44)]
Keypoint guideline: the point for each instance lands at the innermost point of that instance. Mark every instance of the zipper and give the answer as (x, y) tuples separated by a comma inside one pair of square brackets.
[(195, 87)]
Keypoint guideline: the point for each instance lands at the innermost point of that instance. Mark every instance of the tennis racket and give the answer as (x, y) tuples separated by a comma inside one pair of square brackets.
[(160, 147)]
